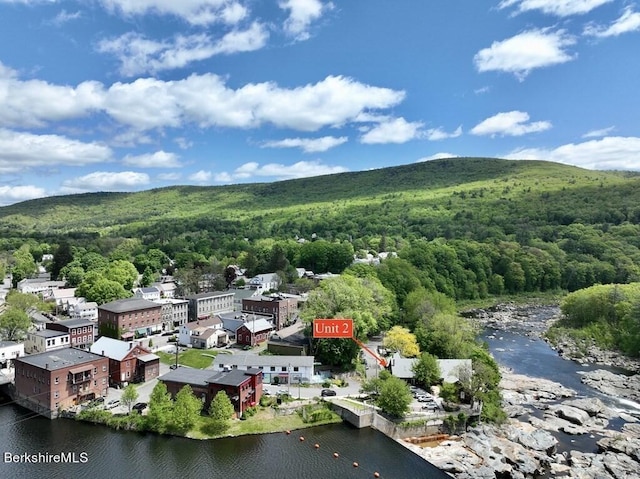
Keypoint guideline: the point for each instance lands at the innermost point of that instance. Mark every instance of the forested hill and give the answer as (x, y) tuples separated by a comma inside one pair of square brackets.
[(468, 197)]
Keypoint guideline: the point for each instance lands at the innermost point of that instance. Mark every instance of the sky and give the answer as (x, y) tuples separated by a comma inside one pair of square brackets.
[(130, 95)]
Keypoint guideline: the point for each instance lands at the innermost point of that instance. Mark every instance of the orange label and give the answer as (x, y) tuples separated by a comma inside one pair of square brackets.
[(333, 328)]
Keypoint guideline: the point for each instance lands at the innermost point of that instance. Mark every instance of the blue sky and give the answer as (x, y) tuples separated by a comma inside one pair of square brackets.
[(128, 95)]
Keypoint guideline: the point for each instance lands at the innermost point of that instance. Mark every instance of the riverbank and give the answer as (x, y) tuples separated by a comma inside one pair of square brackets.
[(550, 432)]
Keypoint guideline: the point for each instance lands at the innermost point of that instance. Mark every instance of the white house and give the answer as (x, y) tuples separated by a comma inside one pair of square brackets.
[(87, 311), (150, 293), (9, 350), (265, 282), (450, 369), (287, 369), (39, 286), (203, 334), (46, 340)]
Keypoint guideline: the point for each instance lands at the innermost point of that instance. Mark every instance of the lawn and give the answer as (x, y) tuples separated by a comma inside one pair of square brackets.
[(262, 422), (194, 358)]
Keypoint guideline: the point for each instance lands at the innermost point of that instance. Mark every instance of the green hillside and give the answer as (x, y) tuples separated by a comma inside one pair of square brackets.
[(451, 197)]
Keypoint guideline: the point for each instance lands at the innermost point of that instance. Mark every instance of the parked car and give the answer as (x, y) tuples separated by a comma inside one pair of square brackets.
[(431, 406), (140, 406), (113, 403), (99, 401), (424, 398), (327, 392)]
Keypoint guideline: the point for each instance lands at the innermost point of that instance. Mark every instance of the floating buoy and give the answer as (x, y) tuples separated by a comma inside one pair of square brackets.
[(335, 454), (316, 445), (376, 474), (288, 432), (355, 464), (302, 438)]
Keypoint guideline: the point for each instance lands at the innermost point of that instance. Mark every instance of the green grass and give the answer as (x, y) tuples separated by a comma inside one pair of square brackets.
[(194, 358)]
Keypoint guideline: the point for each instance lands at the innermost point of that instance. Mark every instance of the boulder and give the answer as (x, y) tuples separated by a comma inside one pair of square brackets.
[(571, 414)]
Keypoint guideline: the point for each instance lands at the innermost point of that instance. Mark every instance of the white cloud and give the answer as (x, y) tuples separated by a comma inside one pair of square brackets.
[(308, 145), (19, 151), (138, 54), (436, 134), (301, 169), (159, 159), (599, 133), (195, 12), (628, 22), (200, 176), (437, 156), (106, 181), (65, 17), (560, 8), (511, 123), (302, 14), (610, 153), (13, 194), (525, 52), (396, 130)]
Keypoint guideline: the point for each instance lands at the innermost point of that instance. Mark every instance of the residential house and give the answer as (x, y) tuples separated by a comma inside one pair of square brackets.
[(255, 332), (283, 309), (61, 296), (205, 305), (244, 387), (265, 282), (275, 369), (129, 362), (450, 369), (167, 287), (82, 332), (174, 312), (87, 311), (9, 351), (128, 318), (57, 380), (45, 340), (41, 286), (231, 321), (203, 334), (150, 293)]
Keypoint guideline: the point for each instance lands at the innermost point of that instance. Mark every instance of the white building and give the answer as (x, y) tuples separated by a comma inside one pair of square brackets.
[(46, 340), (150, 294), (174, 312), (265, 282), (203, 334), (9, 350), (39, 286), (298, 368), (87, 311)]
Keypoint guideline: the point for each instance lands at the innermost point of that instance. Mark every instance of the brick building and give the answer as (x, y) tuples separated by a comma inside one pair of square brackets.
[(128, 362), (284, 310), (81, 332), (129, 318), (50, 382)]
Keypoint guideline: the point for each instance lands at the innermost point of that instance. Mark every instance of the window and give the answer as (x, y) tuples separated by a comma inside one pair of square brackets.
[(56, 395), (296, 368), (272, 368), (104, 380), (56, 380), (104, 368), (283, 369)]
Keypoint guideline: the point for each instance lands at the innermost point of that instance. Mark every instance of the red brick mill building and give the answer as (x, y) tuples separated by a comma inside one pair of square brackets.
[(50, 382)]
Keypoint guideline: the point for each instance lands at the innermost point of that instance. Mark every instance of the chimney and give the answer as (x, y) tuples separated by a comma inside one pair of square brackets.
[(46, 366), (103, 352), (130, 344)]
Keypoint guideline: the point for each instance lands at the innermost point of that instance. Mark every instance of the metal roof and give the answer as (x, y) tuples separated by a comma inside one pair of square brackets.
[(128, 304), (60, 358)]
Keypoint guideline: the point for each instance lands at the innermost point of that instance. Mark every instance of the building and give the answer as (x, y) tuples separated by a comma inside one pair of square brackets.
[(84, 311), (450, 369), (203, 334), (231, 321), (61, 296), (252, 333), (174, 312), (50, 382), (43, 286), (239, 295), (167, 287), (284, 310), (9, 351), (45, 340), (244, 387), (265, 282), (82, 332), (128, 362), (205, 305), (275, 369), (150, 293), (129, 318)]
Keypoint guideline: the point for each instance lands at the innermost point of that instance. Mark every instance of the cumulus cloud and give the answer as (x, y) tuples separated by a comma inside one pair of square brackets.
[(138, 54), (279, 171), (13, 194), (436, 156), (559, 8), (511, 123), (201, 176), (628, 22), (301, 14), (20, 151), (396, 130), (159, 159), (526, 51), (599, 133), (308, 145), (106, 181), (436, 134), (609, 153), (195, 12)]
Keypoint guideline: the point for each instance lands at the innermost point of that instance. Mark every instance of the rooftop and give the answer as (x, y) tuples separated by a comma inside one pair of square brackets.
[(48, 333), (74, 323), (267, 360), (210, 294), (129, 304), (113, 348), (60, 358)]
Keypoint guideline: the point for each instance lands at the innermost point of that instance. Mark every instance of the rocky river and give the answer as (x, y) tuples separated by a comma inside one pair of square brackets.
[(569, 417)]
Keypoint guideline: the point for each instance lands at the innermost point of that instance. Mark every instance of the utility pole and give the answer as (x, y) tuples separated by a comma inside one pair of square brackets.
[(177, 350)]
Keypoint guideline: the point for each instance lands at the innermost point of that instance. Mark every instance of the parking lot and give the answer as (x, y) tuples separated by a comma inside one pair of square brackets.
[(424, 401)]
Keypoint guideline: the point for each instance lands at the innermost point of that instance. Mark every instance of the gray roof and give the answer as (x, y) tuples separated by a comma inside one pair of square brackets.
[(235, 377), (148, 289), (48, 333), (148, 357), (112, 348), (129, 304), (6, 344), (402, 367), (75, 323), (60, 358), (267, 360), (202, 377), (209, 295), (258, 325), (449, 368)]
